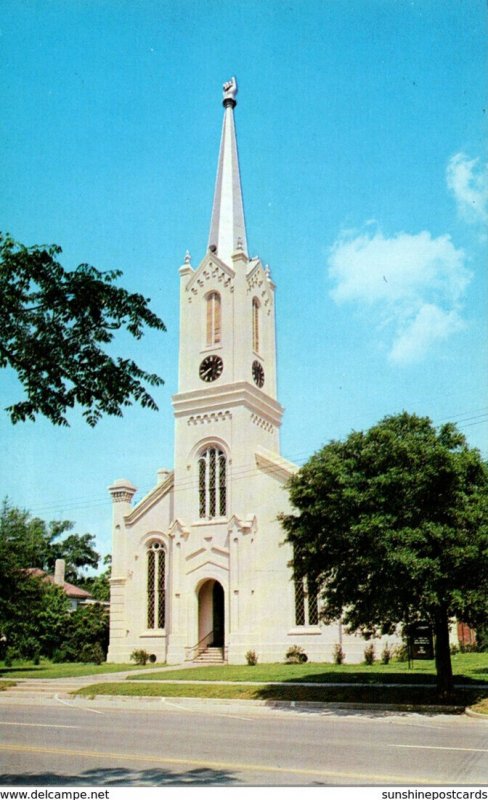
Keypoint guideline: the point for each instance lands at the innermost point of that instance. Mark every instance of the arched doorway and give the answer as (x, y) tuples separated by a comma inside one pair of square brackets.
[(211, 614)]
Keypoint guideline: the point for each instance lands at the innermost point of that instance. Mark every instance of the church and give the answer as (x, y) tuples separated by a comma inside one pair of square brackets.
[(200, 568)]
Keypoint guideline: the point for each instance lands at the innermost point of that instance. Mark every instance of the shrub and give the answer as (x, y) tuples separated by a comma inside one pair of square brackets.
[(469, 647), (296, 655), (92, 654), (339, 654), (153, 658), (369, 654), (251, 658), (386, 655), (400, 652), (140, 657)]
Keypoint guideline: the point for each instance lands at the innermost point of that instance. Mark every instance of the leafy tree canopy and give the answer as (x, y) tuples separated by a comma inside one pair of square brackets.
[(28, 541), (54, 328), (393, 525), (35, 616)]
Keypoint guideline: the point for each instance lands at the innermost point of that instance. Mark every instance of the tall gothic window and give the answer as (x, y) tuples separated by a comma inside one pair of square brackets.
[(156, 585), (306, 602), (214, 318), (255, 324), (212, 483)]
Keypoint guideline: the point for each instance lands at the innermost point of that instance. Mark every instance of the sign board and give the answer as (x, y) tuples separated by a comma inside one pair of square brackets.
[(421, 644)]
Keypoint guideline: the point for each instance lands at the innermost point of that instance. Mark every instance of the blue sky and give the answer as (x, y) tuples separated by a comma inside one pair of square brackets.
[(362, 136)]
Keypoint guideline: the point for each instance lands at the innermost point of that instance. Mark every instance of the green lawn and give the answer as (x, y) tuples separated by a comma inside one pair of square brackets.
[(410, 696), (468, 668), (46, 669)]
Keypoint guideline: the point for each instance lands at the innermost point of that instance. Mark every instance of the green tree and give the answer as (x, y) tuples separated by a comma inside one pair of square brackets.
[(99, 585), (55, 326), (86, 632), (34, 614), (392, 523), (52, 618), (36, 543)]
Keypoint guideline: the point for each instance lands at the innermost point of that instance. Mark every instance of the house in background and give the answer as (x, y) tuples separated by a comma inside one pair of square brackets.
[(75, 595)]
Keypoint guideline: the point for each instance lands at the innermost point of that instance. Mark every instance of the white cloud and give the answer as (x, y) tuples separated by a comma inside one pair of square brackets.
[(467, 178), (411, 284)]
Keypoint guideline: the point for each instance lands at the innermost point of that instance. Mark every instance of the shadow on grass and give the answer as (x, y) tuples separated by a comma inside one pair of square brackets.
[(123, 777), (7, 671), (409, 696)]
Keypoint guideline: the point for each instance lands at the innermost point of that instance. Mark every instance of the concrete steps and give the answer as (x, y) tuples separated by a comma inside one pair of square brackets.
[(211, 655)]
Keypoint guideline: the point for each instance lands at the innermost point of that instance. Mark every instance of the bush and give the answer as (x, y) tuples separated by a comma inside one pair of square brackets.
[(251, 658), (339, 654), (153, 658), (296, 655), (140, 657), (92, 654), (400, 652), (369, 654), (386, 655)]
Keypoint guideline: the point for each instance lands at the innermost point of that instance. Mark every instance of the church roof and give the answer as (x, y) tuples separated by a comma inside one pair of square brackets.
[(227, 227)]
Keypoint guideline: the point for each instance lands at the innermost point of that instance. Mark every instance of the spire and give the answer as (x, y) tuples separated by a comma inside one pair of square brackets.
[(228, 228)]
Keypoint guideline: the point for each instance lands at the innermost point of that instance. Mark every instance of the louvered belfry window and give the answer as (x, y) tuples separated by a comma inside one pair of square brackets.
[(214, 319), (156, 586), (212, 483), (255, 325)]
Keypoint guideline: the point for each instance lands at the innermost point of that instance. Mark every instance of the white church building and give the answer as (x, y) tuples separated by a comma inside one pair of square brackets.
[(200, 565)]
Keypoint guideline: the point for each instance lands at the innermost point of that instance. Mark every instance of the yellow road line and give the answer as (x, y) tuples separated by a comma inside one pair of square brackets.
[(37, 725), (440, 747), (218, 765)]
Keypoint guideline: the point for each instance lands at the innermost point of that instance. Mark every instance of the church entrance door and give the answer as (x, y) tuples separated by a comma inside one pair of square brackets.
[(211, 614)]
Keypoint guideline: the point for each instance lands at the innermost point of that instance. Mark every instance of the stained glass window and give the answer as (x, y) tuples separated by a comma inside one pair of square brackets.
[(156, 586), (212, 483)]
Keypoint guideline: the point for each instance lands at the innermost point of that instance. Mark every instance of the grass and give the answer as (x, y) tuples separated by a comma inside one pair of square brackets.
[(410, 696), (6, 685), (46, 669), (467, 667), (470, 669), (481, 707)]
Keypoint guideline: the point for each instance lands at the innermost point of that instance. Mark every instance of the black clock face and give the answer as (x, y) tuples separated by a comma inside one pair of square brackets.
[(211, 368), (258, 374)]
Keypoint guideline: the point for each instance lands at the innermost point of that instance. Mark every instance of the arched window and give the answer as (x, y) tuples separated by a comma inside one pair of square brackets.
[(212, 483), (156, 585), (306, 602), (255, 324), (214, 322)]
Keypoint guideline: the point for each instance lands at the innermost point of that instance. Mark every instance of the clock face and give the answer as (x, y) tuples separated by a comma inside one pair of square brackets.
[(258, 374), (211, 368)]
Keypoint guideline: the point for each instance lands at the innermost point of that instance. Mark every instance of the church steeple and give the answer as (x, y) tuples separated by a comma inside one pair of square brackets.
[(227, 227)]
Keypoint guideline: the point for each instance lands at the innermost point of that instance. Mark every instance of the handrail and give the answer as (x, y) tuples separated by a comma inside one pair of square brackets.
[(191, 652)]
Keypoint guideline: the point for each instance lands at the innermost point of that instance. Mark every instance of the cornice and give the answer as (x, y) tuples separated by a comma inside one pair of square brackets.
[(210, 267), (227, 396), (274, 464), (150, 500)]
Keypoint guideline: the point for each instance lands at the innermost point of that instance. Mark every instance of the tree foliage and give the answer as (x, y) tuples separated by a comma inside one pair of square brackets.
[(55, 326), (35, 616), (32, 542), (393, 525)]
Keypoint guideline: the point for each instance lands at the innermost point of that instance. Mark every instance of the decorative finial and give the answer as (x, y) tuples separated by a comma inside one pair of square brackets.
[(187, 257), (230, 91)]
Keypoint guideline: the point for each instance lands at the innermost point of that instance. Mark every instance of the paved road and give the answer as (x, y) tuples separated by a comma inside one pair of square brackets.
[(65, 742)]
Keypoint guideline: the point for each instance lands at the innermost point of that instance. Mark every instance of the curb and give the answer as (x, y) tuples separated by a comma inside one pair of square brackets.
[(476, 714), (298, 705)]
